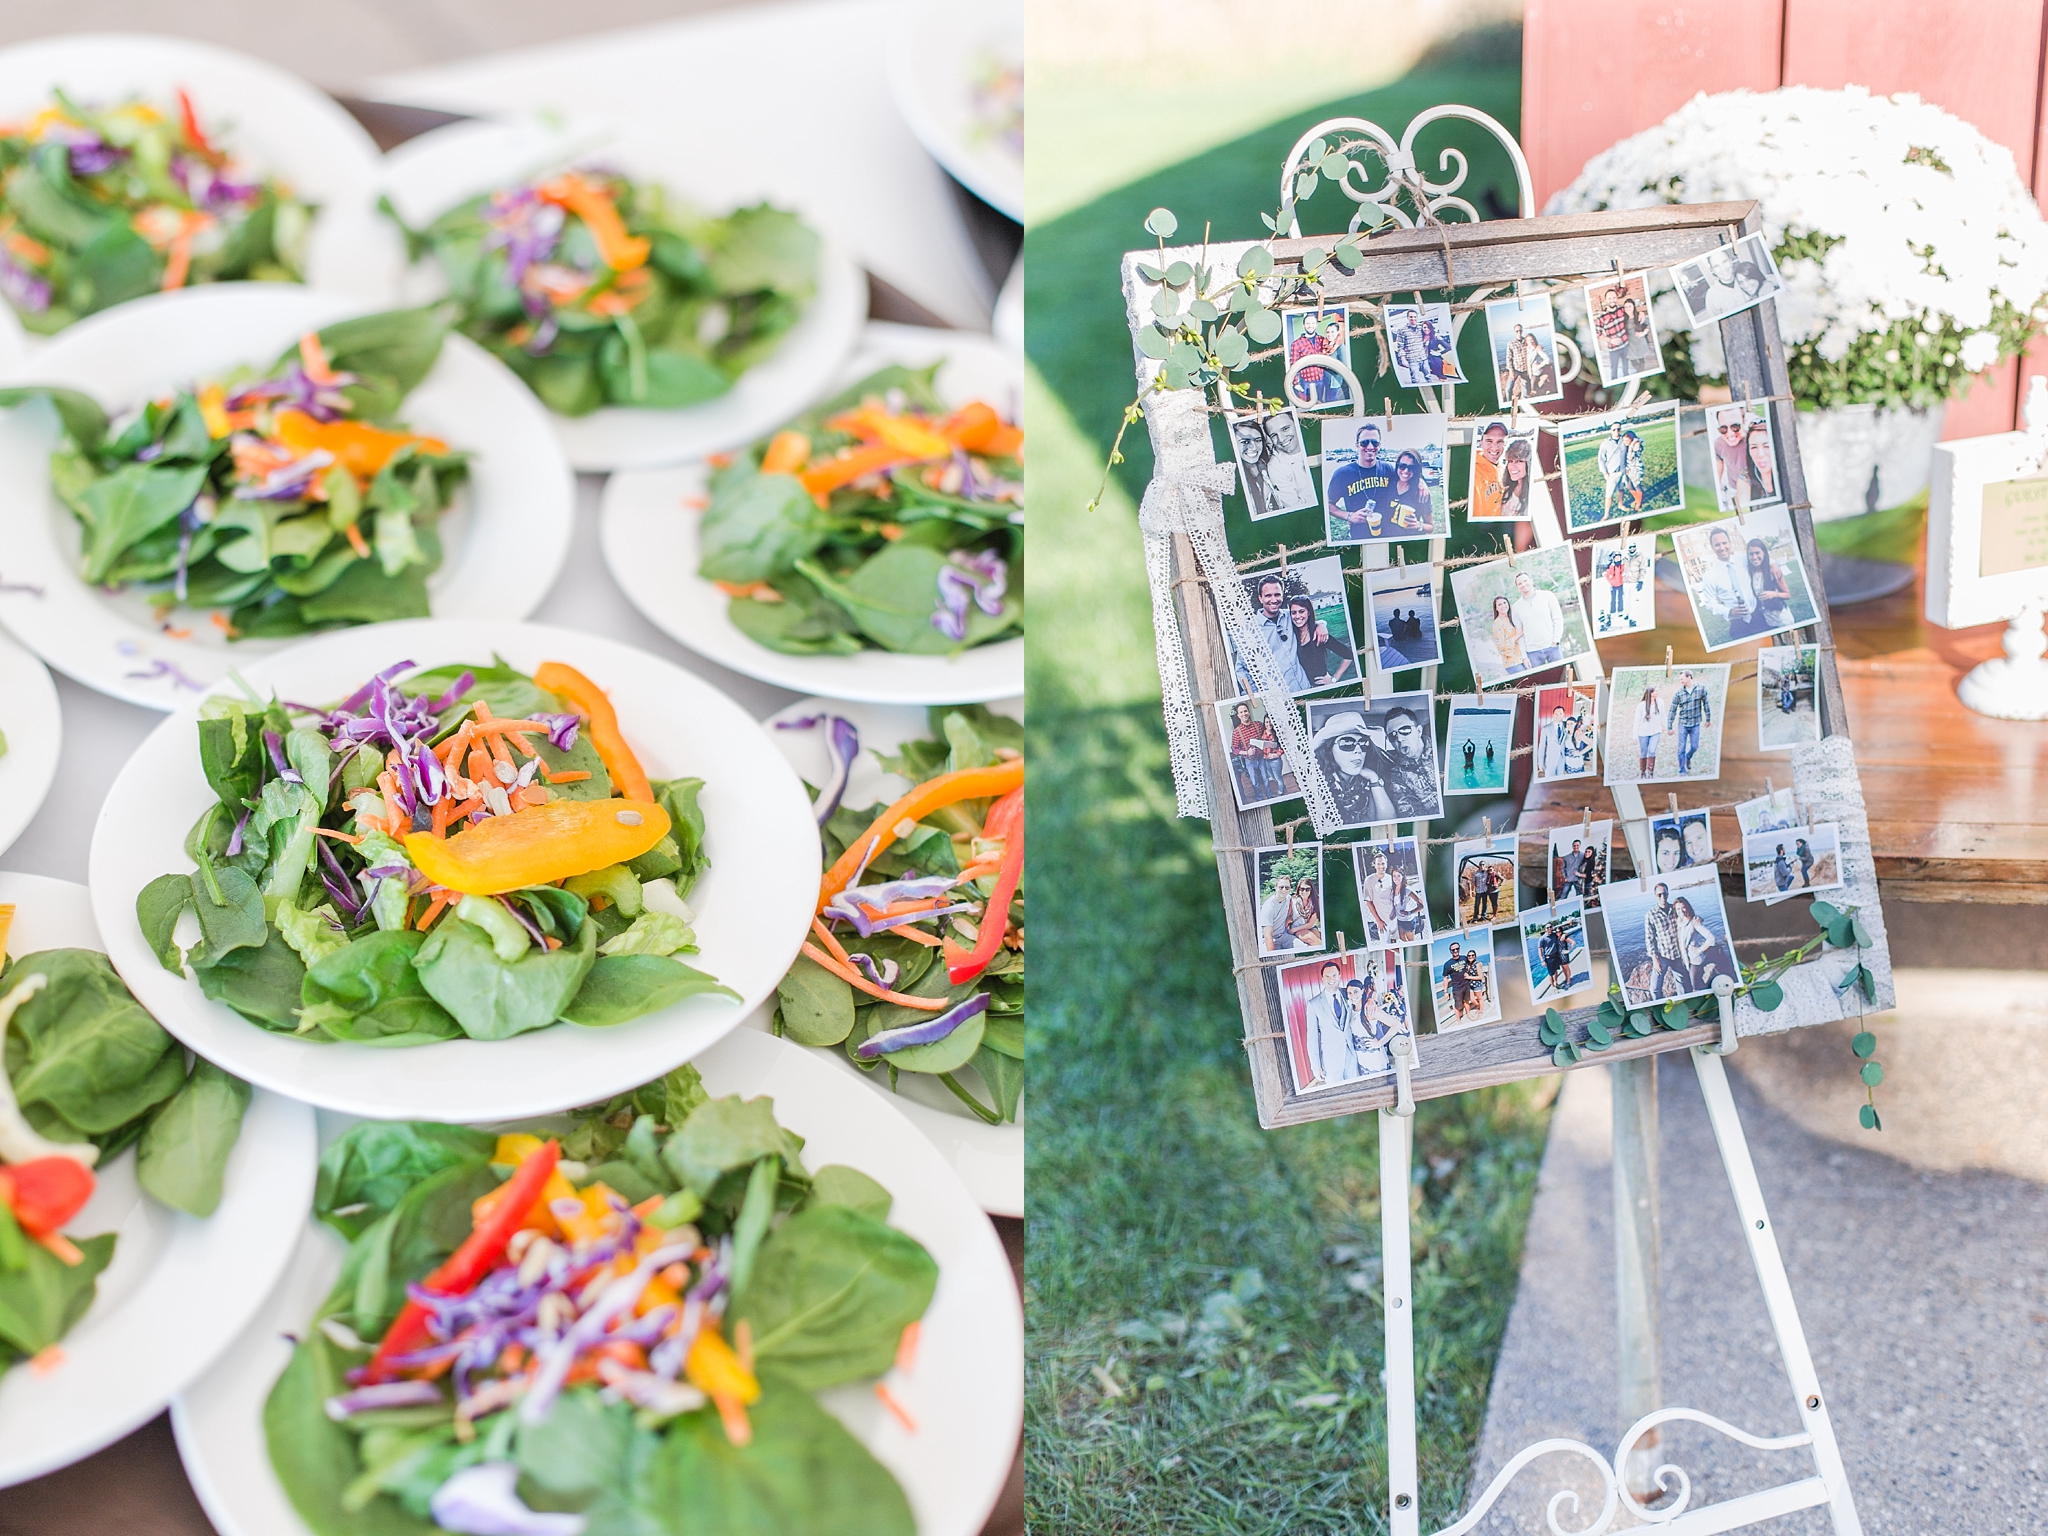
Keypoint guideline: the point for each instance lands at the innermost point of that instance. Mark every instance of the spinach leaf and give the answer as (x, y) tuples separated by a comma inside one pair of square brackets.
[(626, 1179), (1005, 1032), (116, 265), (390, 353), (583, 1456), (376, 1162), (315, 1458), (724, 1134), (801, 1474), (665, 379), (836, 1184), (816, 1006), (757, 527), (183, 1158), (159, 906), (686, 829), (492, 1000), (363, 594), (233, 922), (622, 987), (803, 623), (134, 500), (44, 1299), (427, 1225), (831, 1293), (84, 1049), (261, 984), (82, 417), (1004, 1075), (757, 1209), (231, 752), (893, 594)]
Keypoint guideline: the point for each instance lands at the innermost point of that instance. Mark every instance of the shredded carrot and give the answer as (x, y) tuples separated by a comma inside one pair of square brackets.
[(906, 1347), (916, 936), (313, 358), (357, 542), (344, 837), (439, 900), (47, 1359), (902, 1414), (976, 871), (860, 983), (919, 904), (743, 1344), (946, 789), (498, 752), (479, 766), (553, 942), (483, 711), (734, 1417), (469, 807), (179, 266), (593, 204), (756, 589), (444, 812), (62, 1247), (571, 776), (454, 744)]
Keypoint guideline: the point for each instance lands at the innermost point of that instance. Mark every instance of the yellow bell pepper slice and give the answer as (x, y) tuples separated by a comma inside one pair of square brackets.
[(539, 846)]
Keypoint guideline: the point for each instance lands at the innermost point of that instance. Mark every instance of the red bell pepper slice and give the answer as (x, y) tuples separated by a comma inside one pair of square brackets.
[(45, 1192), (1005, 820), (477, 1256)]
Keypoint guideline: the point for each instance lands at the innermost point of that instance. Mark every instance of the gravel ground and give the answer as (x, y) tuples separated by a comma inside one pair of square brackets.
[(1924, 1296)]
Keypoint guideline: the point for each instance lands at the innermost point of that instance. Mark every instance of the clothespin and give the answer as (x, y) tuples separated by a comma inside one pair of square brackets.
[(1508, 544), (1571, 673), (1617, 269), (1673, 797), (1283, 561), (1667, 661), (1486, 825), (1401, 556), (1586, 823), (1290, 829), (1769, 787), (1387, 405), (1341, 946)]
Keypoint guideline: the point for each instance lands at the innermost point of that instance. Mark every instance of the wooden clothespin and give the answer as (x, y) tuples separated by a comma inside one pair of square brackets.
[(1673, 798), (1290, 829), (1508, 545), (1401, 556), (1571, 673), (1586, 824), (1283, 560), (1769, 787), (1486, 826), (1340, 941), (1667, 661), (1387, 406)]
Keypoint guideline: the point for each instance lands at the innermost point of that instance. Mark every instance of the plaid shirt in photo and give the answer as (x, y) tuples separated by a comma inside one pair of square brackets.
[(1660, 933), (1690, 707)]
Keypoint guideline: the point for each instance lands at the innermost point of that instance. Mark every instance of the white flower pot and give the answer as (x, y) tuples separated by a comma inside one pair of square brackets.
[(1860, 459)]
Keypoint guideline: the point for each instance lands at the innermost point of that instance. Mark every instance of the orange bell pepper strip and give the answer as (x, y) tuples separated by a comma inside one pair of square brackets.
[(906, 434), (787, 452), (602, 721), (359, 447), (178, 266), (539, 845), (933, 794), (977, 428), (477, 1256), (600, 215), (822, 479), (962, 966), (194, 134)]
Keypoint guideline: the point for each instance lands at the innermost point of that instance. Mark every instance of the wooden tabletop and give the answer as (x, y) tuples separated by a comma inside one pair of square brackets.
[(1958, 802)]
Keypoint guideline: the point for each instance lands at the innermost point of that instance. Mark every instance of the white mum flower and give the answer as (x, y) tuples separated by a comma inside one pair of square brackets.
[(1980, 351)]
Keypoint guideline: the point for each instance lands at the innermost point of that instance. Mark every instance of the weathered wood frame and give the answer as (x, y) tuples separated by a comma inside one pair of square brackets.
[(1448, 257)]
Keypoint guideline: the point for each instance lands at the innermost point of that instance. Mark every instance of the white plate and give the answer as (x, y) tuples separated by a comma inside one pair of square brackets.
[(989, 1158), (966, 1392), (649, 529), (180, 1288), (272, 122), (753, 905), (427, 176), (506, 535), (939, 49), (34, 726)]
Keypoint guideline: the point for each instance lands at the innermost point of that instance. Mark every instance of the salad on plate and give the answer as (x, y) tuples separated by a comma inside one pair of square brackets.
[(467, 851), (878, 520), (85, 1075), (615, 1327), (928, 975), (289, 499), (104, 203), (601, 291)]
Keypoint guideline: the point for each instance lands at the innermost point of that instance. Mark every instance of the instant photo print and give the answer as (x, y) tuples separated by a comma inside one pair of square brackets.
[(1379, 758), (1461, 982), (1303, 618), (1683, 841), (1745, 577), (1403, 603), (1479, 740), (1745, 457), (1727, 280), (1567, 726), (1323, 332), (1272, 464), (1521, 336), (1383, 478), (1506, 483), (1624, 585), (1521, 614), (1485, 879), (1767, 813), (1624, 336), (1578, 860), (1790, 861), (1620, 466), (1667, 936), (1392, 905), (1287, 882), (1342, 1015), (1422, 344), (1664, 724), (1554, 950), (1259, 774), (1787, 696)]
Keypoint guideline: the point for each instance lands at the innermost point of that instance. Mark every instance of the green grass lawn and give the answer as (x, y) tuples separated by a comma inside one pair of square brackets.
[(1204, 1325)]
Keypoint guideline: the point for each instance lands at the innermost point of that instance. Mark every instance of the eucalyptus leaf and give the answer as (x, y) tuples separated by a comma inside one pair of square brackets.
[(1161, 222), (1263, 326), (1179, 274), (1255, 262), (1152, 341)]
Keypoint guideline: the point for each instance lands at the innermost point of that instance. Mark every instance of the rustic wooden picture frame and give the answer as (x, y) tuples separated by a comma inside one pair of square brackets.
[(1438, 260)]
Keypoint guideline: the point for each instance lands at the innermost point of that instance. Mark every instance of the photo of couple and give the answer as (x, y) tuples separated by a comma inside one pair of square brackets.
[(1479, 738), (1727, 281), (1523, 338), (1624, 338), (1422, 344), (1664, 723), (1379, 758), (1507, 481), (1767, 813), (1312, 333), (1624, 585), (1483, 879), (1288, 889), (1565, 731), (1745, 458), (1667, 936), (1620, 466), (1302, 621), (1272, 464), (1790, 861), (1461, 981), (1258, 771), (1342, 1017), (1745, 577), (1554, 950), (1684, 841), (1383, 478), (1578, 859), (1403, 599), (1522, 613), (1787, 698), (1391, 902)]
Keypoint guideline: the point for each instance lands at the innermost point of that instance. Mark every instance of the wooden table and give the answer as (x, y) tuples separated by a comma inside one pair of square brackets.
[(1958, 802)]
